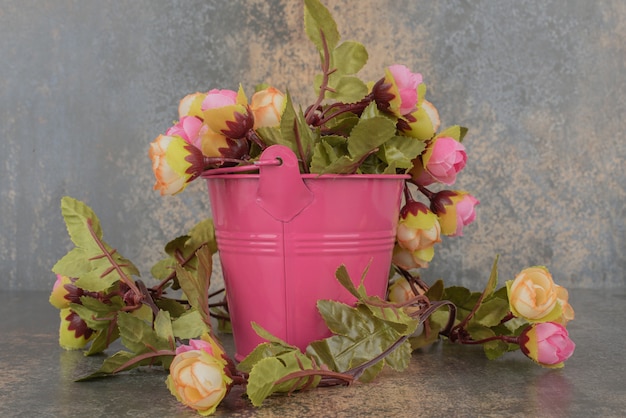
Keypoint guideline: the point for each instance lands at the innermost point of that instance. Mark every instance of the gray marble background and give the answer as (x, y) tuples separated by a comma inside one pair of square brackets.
[(85, 85)]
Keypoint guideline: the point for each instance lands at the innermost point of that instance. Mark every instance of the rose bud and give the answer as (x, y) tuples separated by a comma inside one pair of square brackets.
[(455, 210), (532, 295), (547, 343), (267, 107), (60, 295), (74, 333), (443, 158), (191, 105), (421, 124), (189, 129), (226, 115), (397, 91), (418, 227), (174, 163)]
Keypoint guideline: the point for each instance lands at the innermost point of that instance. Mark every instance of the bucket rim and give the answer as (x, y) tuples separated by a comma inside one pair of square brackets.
[(316, 176)]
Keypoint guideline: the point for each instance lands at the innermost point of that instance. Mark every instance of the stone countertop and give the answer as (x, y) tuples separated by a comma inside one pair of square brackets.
[(37, 376)]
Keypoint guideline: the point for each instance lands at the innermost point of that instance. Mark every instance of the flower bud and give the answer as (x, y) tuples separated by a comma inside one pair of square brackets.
[(547, 343), (224, 115), (189, 129), (191, 105), (455, 210), (397, 91), (422, 123), (532, 295), (74, 333), (59, 298), (443, 158), (267, 107), (418, 227), (174, 163)]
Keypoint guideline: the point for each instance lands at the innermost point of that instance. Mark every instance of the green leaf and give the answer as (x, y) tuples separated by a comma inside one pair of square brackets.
[(196, 286), (295, 130), (436, 291), (189, 325), (493, 349), (456, 132), (361, 336), (347, 89), (163, 328), (174, 308), (317, 20), (138, 336), (370, 133), (110, 365), (401, 151), (202, 234), (349, 57), (73, 264), (266, 335), (102, 340), (78, 217), (261, 351)]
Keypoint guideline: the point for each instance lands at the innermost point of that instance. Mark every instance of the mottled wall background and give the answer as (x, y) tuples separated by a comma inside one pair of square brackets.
[(85, 85)]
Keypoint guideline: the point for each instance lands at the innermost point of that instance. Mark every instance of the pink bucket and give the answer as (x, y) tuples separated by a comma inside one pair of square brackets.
[(282, 235)]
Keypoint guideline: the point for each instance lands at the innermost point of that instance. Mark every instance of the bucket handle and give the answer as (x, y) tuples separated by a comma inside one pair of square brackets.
[(281, 191)]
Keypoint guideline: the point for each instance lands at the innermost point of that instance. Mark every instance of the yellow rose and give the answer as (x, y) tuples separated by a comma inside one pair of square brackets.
[(533, 295), (197, 379)]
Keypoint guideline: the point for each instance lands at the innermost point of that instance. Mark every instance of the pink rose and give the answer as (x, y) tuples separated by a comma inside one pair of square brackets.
[(188, 128), (174, 163), (219, 98), (442, 160), (547, 343), (406, 83), (196, 345), (455, 210)]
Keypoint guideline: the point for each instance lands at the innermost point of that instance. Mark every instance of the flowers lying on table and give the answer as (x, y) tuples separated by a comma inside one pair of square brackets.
[(384, 127)]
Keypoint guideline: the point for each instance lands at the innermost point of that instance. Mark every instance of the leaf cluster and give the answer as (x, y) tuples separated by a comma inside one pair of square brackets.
[(117, 305)]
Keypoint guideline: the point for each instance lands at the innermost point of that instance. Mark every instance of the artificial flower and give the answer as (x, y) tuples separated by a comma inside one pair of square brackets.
[(418, 227), (191, 105), (59, 297), (267, 107), (532, 295), (422, 123), (197, 377), (443, 158), (189, 129), (455, 210), (174, 163), (74, 333), (547, 343), (225, 113)]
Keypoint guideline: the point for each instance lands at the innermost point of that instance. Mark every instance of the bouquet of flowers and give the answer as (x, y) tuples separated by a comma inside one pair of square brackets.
[(353, 127)]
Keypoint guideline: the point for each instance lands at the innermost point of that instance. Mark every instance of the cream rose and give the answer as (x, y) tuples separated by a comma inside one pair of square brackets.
[(533, 295), (197, 379)]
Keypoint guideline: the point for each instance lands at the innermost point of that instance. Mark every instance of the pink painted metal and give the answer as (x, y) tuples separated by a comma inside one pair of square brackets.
[(282, 235)]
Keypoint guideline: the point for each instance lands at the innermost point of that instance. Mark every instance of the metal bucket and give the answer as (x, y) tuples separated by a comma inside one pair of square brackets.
[(281, 236)]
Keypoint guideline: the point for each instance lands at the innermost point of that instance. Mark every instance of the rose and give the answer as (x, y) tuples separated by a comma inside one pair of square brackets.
[(74, 333), (421, 123), (443, 158), (191, 105), (189, 129), (532, 295), (267, 107), (455, 210), (418, 231), (418, 227), (226, 113), (174, 163), (405, 82), (547, 343), (197, 377)]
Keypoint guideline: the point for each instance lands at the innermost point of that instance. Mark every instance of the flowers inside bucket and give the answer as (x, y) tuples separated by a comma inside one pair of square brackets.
[(281, 236)]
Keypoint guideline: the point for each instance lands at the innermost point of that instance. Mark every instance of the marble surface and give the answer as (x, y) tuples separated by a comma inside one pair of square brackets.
[(86, 85), (36, 377)]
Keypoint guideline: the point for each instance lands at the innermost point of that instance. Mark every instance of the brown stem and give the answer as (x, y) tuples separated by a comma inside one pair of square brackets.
[(109, 256), (324, 85)]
